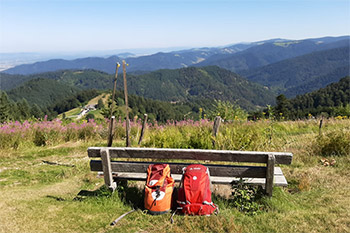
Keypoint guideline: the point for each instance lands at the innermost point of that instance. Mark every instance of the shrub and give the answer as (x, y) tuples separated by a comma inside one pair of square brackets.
[(335, 143), (247, 198), (40, 138)]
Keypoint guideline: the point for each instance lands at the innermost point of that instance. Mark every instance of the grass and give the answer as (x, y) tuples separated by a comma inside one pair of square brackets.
[(71, 113), (67, 197)]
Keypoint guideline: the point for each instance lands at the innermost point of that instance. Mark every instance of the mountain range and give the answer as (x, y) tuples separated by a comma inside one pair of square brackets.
[(251, 74), (234, 57), (304, 73), (178, 85)]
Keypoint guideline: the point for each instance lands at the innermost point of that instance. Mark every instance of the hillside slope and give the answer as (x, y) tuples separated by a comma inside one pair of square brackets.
[(43, 92), (304, 73), (335, 94), (268, 53), (234, 57), (179, 85), (171, 60), (207, 82)]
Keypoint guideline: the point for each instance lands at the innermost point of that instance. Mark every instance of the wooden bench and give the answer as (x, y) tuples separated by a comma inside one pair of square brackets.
[(126, 163)]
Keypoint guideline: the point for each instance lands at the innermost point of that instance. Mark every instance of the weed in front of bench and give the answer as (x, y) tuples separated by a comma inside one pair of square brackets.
[(247, 198)]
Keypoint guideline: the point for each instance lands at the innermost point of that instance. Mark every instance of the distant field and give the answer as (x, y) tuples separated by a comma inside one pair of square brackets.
[(75, 111), (36, 196)]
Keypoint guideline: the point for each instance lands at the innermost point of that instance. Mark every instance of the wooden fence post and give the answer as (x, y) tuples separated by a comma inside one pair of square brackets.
[(270, 171), (320, 127), (144, 125), (216, 126), (128, 143), (110, 130)]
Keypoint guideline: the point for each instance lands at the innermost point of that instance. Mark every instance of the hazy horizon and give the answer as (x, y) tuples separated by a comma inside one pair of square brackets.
[(75, 26)]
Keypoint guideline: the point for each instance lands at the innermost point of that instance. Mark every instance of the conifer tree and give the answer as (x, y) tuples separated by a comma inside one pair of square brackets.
[(5, 107), (23, 109), (36, 112)]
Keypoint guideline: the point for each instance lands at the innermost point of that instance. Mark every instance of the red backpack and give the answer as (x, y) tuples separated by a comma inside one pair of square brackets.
[(159, 189), (194, 195)]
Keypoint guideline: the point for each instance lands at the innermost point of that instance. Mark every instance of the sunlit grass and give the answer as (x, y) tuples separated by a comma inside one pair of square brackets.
[(39, 197)]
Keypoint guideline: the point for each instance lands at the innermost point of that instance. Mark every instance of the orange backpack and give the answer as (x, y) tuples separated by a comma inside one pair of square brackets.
[(159, 189)]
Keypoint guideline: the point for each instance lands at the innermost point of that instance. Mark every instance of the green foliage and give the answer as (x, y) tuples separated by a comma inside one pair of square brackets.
[(180, 85), (282, 107), (100, 104), (331, 101), (23, 109), (247, 198), (228, 111), (4, 107), (40, 138), (90, 116), (36, 111), (205, 83), (43, 91)]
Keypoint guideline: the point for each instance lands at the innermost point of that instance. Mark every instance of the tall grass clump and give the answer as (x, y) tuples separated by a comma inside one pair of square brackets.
[(334, 143), (181, 134), (237, 135)]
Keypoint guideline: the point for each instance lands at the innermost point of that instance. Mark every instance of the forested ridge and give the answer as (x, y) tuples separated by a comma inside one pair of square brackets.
[(331, 101), (180, 85), (304, 73)]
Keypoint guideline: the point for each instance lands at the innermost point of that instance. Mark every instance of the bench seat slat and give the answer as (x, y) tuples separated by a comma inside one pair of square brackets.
[(192, 154), (279, 180), (176, 168)]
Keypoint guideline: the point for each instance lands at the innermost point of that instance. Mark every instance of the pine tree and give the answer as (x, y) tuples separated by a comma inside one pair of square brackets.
[(282, 108), (100, 104), (5, 107), (24, 109), (36, 111)]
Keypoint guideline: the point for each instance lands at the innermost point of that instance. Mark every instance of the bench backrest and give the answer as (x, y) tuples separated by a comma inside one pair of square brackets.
[(192, 154)]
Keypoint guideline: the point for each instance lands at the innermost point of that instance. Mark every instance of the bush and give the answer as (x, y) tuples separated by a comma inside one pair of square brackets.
[(334, 143), (246, 198), (40, 138), (90, 116)]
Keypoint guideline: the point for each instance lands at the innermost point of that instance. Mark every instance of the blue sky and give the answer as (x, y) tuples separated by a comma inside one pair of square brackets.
[(94, 25)]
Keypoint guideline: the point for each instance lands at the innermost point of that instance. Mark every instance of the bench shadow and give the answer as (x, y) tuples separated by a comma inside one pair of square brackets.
[(100, 192), (130, 195)]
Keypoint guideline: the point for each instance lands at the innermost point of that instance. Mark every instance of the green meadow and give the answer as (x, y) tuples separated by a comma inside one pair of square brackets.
[(46, 184)]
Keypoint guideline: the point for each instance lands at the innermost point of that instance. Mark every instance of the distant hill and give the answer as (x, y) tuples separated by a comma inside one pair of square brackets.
[(333, 99), (179, 85), (233, 57), (318, 82), (43, 92), (207, 82), (335, 94), (97, 63), (172, 60), (272, 52), (303, 74), (9, 81)]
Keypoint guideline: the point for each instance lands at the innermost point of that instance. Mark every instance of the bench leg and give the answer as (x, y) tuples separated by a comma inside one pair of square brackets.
[(270, 174), (107, 169)]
